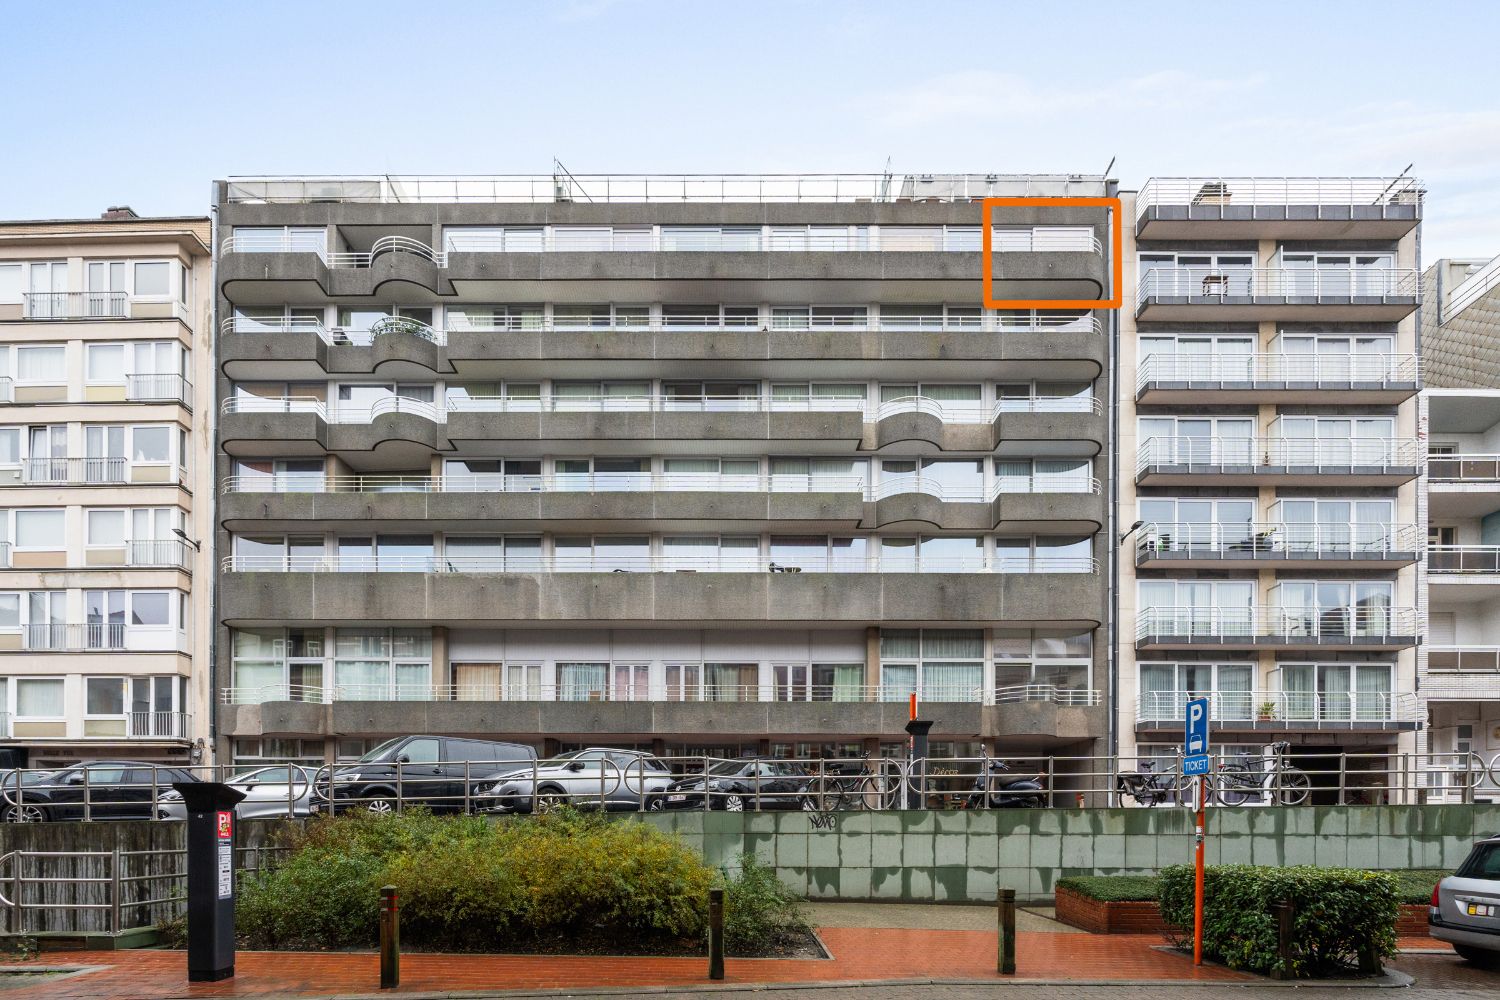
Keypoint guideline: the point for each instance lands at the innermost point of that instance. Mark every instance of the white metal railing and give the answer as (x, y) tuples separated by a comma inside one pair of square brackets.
[(159, 725), (1465, 468), (1222, 283), (949, 411), (170, 552), (1041, 239), (1282, 538), (566, 187), (1282, 192), (1312, 370), (74, 471), (163, 387), (277, 242), (1471, 289), (1330, 624), (1211, 452), (726, 561), (75, 305), (1018, 693), (1281, 709), (1464, 658), (1463, 560), (83, 637)]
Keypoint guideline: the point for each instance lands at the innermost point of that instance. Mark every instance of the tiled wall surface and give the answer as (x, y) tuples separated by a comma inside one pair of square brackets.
[(965, 856)]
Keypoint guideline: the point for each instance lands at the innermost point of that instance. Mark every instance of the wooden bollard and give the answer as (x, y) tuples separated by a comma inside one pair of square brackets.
[(1005, 961), (390, 939), (716, 934), (1284, 916)]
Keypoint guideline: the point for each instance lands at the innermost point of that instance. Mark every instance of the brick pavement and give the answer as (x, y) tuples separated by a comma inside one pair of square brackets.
[(859, 954)]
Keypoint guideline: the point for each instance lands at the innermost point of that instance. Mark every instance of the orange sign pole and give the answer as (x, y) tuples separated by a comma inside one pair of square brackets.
[(913, 706), (1198, 875)]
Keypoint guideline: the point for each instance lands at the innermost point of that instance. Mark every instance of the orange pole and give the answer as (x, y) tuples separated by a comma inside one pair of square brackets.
[(1198, 879), (912, 705)]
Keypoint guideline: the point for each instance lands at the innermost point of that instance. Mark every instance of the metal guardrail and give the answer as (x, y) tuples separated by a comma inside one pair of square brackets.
[(90, 472), (1463, 659), (1382, 283), (1252, 540), (728, 561), (1471, 290), (84, 637), (1465, 468), (151, 388), (1212, 453), (1277, 709), (1463, 560), (1331, 625), (1282, 192), (75, 305), (1282, 370)]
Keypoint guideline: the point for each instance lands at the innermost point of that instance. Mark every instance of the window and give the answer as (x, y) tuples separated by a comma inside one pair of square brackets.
[(10, 283), (153, 278), (1197, 440), (184, 283), (40, 530), (151, 444), (1027, 658), (151, 608), (39, 698), (941, 664), (42, 365), (106, 528), (1166, 688), (1197, 607), (105, 363), (104, 696), (10, 611), (280, 239)]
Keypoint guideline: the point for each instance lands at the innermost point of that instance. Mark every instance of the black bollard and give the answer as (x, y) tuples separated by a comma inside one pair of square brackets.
[(1284, 917), (210, 878), (716, 934), (390, 938), (1006, 960)]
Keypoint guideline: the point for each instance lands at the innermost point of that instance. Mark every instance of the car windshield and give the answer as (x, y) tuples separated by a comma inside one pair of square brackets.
[(381, 752), (562, 759), (1483, 863), (728, 767)]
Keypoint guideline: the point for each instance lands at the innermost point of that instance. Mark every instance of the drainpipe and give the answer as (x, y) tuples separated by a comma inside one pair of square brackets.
[(208, 537), (1112, 477)]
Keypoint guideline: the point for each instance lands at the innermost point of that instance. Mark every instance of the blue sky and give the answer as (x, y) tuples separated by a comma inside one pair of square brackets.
[(146, 102)]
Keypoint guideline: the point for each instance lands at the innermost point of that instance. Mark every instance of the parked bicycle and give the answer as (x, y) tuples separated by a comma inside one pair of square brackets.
[(856, 784), (1262, 778), (1148, 786)]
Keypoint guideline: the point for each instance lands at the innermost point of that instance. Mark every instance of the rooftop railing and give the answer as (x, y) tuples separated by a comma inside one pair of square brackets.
[(1282, 192), (1212, 453), (1290, 370), (666, 188), (1471, 289), (1282, 709), (1250, 540), (604, 562), (1279, 282), (1463, 560), (75, 305), (1330, 624), (1466, 468)]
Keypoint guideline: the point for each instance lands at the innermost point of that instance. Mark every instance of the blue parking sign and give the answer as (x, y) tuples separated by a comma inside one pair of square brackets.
[(1196, 764), (1195, 728)]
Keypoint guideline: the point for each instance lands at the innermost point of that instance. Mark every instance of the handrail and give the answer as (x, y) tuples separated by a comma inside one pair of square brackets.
[(1277, 708), (75, 305), (725, 562), (1220, 283), (73, 637), (1332, 454), (1279, 191), (1291, 623), (1463, 468), (114, 471), (1466, 560), (1463, 658), (1293, 369), (1265, 538), (1471, 289)]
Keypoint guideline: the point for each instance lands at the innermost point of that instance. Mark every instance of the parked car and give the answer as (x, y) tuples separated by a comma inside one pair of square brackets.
[(1465, 908), (416, 770), (738, 785), (620, 778), (275, 790), (25, 779), (114, 789)]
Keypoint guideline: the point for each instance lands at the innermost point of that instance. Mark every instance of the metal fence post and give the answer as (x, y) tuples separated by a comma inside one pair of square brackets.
[(716, 934), (1284, 918), (390, 938), (114, 890), (1005, 960)]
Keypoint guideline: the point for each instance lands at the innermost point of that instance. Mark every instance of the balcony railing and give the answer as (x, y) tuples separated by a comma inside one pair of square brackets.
[(1280, 709), (98, 636), (163, 387), (1289, 370), (165, 552), (1463, 560), (159, 725), (1211, 453), (1463, 468), (1329, 625), (1252, 540), (696, 691), (92, 472), (1471, 289), (1279, 282), (669, 188), (667, 482), (604, 562), (75, 305), (948, 411), (1280, 192), (1463, 659)]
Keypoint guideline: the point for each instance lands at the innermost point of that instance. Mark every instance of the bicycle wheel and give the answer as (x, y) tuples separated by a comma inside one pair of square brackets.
[(1236, 788), (1293, 787)]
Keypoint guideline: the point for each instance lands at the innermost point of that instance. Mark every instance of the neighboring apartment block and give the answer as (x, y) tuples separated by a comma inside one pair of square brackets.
[(104, 620), (696, 464), (1460, 680), (1269, 449)]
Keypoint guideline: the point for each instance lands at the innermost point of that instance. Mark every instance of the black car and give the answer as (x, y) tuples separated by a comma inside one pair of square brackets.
[(113, 789), (738, 785), (417, 770)]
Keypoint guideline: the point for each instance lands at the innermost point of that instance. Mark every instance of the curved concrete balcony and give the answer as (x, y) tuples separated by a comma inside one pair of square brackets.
[(1377, 379), (1285, 545), (258, 270), (659, 593), (1281, 208), (1065, 427), (1214, 460), (1315, 294), (1067, 267), (260, 502), (1328, 629)]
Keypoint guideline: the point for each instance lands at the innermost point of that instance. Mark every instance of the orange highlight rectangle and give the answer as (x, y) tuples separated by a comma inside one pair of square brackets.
[(1117, 244)]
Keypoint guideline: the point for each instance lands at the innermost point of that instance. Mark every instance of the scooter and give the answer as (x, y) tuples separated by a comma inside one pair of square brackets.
[(996, 788)]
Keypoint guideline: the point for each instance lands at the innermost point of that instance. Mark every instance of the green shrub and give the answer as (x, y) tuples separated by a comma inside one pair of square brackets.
[(759, 910), (1113, 888), (1414, 885), (467, 884), (1339, 915)]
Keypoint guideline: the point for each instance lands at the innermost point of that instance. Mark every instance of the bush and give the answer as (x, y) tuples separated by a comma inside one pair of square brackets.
[(1414, 885), (1340, 914), (1113, 888), (557, 881)]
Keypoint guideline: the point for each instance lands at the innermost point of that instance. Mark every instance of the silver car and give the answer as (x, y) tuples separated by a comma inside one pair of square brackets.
[(620, 779), (1465, 909), (276, 790)]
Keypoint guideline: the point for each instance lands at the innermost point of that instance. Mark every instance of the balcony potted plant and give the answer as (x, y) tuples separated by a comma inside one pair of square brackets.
[(1266, 712)]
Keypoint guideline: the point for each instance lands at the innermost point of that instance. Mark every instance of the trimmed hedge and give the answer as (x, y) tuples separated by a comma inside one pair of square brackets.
[(1340, 914), (1113, 888), (1414, 885)]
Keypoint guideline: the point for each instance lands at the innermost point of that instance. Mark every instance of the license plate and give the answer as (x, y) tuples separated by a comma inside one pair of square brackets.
[(676, 798), (1481, 910)]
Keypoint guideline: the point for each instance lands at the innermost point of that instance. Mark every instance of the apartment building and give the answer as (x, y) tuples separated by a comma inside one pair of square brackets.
[(696, 464), (1269, 465), (104, 612), (1460, 672)]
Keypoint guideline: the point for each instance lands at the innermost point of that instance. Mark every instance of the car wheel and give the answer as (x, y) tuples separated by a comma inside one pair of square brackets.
[(655, 804), (25, 814), (380, 807), (809, 804), (1479, 956), (734, 803), (550, 798)]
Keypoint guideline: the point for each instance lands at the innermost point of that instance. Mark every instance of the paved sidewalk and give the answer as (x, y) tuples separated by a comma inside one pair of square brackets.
[(929, 916)]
